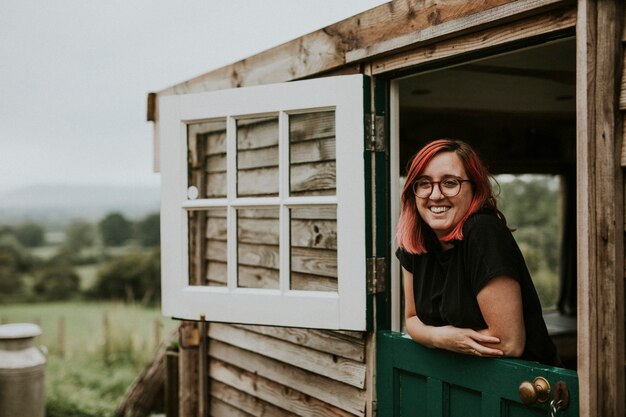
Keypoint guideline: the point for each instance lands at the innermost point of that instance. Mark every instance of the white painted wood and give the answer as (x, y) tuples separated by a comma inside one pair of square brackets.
[(394, 193), (344, 309)]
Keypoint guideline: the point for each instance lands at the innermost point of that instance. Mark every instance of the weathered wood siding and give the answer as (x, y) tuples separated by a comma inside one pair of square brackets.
[(274, 371)]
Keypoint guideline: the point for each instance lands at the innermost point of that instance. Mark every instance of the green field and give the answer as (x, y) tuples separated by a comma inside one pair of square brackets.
[(96, 349)]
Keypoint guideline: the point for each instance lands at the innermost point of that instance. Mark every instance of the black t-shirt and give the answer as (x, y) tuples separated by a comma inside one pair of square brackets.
[(446, 283)]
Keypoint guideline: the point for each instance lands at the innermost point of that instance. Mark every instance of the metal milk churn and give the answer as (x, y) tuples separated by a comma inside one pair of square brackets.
[(22, 369)]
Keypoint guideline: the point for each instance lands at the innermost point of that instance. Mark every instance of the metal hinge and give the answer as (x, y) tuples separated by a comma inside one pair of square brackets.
[(374, 133), (376, 272)]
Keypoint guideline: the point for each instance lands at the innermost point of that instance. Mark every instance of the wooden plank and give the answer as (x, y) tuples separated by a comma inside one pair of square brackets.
[(215, 143), (220, 408), (453, 27), (622, 96), (600, 247), (216, 250), (314, 234), (323, 340), (216, 228), (257, 135), (253, 277), (311, 126), (257, 182), (329, 46), (244, 402), (257, 213), (203, 128), (215, 163), (216, 273), (314, 261), (273, 393), (258, 158), (327, 213), (335, 393), (313, 151), (258, 255), (314, 176), (331, 366), (499, 35), (215, 185), (307, 282), (263, 231)]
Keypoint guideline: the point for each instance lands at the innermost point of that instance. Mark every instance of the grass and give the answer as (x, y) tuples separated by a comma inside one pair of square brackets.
[(96, 349)]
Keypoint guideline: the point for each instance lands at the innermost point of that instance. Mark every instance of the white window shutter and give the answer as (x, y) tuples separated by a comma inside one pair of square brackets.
[(283, 302)]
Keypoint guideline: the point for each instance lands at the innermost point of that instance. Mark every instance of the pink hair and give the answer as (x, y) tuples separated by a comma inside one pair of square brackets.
[(411, 230)]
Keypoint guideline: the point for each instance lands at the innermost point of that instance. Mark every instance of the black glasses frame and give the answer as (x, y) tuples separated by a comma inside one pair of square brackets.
[(441, 190)]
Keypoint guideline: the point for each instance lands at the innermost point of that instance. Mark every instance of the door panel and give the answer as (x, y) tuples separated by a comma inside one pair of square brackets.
[(413, 380)]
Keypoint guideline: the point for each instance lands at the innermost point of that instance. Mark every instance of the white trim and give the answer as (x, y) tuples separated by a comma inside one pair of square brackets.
[(345, 309)]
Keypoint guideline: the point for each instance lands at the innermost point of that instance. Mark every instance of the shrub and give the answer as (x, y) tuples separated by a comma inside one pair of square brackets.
[(136, 277), (56, 282)]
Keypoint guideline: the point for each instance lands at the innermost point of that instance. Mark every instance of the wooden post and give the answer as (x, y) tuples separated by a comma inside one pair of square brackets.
[(600, 209), (106, 332), (61, 337), (188, 369), (172, 384)]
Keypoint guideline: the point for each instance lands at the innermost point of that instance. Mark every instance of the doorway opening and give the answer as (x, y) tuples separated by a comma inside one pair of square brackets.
[(518, 110)]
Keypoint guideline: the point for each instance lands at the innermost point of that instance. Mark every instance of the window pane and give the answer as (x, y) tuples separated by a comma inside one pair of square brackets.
[(257, 157), (532, 205), (313, 248), (312, 154), (207, 247), (206, 158), (257, 247)]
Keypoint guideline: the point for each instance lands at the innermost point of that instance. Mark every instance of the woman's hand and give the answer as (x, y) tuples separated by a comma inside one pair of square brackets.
[(466, 341)]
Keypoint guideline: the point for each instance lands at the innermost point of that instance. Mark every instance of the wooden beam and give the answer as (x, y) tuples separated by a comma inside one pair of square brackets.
[(391, 25), (600, 210), (323, 340), (438, 31), (551, 22)]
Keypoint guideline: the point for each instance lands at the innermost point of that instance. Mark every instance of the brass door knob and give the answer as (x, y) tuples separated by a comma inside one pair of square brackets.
[(537, 391)]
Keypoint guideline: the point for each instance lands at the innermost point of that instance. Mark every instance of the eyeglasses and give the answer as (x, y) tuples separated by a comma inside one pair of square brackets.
[(448, 186)]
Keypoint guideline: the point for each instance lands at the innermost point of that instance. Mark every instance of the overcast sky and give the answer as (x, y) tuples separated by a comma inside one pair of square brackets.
[(74, 75)]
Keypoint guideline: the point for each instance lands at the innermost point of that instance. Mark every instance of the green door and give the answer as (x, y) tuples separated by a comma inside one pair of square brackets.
[(413, 380)]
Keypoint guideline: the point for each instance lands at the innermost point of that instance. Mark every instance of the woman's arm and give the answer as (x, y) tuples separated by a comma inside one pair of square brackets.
[(445, 337), (500, 303)]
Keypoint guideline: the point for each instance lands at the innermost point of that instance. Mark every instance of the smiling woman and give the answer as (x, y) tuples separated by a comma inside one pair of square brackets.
[(467, 288)]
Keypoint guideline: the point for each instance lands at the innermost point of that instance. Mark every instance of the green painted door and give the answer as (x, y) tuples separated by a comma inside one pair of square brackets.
[(413, 380)]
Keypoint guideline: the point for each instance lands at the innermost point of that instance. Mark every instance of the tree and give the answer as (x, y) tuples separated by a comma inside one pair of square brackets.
[(79, 234), (115, 229), (149, 230), (30, 234)]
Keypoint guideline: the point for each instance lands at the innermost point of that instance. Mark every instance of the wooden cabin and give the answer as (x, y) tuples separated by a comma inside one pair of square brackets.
[(281, 177)]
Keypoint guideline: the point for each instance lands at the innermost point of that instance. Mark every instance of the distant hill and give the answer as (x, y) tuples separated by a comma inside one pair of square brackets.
[(59, 204)]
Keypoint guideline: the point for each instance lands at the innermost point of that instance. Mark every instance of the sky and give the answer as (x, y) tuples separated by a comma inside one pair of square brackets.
[(74, 75)]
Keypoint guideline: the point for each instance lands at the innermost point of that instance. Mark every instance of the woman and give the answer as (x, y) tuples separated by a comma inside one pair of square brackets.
[(467, 288)]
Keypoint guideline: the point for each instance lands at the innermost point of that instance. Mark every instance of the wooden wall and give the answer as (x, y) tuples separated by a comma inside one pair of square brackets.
[(272, 371)]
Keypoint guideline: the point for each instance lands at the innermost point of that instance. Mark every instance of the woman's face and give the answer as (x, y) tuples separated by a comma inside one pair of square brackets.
[(439, 212)]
